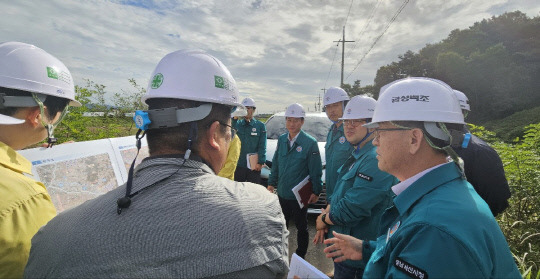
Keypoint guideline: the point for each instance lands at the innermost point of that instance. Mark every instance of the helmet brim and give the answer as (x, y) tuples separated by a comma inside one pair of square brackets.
[(8, 120)]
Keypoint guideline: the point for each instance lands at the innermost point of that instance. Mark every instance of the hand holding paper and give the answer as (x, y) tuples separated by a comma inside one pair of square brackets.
[(252, 160)]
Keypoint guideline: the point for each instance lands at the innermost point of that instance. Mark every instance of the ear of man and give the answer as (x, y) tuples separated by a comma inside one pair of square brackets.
[(32, 116), (213, 136), (416, 140)]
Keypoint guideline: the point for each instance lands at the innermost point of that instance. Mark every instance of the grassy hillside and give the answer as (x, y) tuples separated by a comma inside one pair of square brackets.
[(511, 127)]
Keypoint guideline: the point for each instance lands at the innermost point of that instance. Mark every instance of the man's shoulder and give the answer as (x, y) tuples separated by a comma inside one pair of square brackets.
[(308, 138), (15, 187), (251, 197), (454, 198), (283, 137), (258, 122)]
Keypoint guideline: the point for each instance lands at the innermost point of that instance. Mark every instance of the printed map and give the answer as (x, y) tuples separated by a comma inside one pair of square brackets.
[(128, 154), (74, 181)]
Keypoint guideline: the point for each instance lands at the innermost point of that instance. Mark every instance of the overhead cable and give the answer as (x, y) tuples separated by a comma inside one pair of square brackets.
[(371, 14), (377, 39), (333, 60)]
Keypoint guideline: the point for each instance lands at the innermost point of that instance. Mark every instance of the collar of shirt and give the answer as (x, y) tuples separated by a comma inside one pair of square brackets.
[(249, 123), (13, 160), (153, 169), (423, 184), (363, 150), (400, 187), (335, 129), (291, 141)]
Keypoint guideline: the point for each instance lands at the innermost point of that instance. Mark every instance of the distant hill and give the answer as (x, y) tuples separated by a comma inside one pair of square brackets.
[(495, 62), (513, 126)]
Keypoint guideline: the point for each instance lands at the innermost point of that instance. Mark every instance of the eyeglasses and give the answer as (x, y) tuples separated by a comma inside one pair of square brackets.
[(233, 130), (377, 131), (352, 122), (250, 108)]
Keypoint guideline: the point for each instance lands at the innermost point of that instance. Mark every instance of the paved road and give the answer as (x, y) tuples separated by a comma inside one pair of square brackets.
[(315, 254)]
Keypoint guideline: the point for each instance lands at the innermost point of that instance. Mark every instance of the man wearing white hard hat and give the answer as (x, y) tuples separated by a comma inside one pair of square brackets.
[(297, 157), (481, 159), (438, 226), (35, 91), (362, 191), (337, 149), (174, 218), (252, 134)]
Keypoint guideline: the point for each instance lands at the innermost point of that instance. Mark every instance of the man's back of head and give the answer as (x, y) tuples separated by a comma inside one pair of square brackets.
[(34, 88)]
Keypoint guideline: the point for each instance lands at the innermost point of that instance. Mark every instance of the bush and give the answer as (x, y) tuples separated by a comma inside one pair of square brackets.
[(520, 223), (513, 126)]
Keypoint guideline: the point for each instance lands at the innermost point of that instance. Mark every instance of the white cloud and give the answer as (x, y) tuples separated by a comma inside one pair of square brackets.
[(279, 51)]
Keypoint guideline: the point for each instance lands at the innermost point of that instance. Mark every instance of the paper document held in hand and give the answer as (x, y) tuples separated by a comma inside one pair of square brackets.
[(252, 160), (303, 191), (303, 269)]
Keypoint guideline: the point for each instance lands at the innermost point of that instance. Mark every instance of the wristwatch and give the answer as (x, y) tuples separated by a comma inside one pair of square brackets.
[(324, 217)]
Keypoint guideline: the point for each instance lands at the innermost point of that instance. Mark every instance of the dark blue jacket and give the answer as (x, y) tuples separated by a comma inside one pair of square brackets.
[(484, 170)]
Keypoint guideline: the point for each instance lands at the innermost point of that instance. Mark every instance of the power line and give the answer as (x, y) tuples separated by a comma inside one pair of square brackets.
[(333, 60), (377, 39), (335, 52), (371, 14), (348, 13)]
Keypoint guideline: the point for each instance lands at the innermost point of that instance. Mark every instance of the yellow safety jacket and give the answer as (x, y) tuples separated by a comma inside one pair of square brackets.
[(25, 206), (232, 159)]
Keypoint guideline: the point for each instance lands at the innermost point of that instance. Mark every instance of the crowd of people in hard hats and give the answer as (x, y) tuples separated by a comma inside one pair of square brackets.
[(397, 172)]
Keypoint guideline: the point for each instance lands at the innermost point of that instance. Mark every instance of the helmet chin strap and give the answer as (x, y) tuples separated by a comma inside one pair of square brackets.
[(357, 146), (51, 140)]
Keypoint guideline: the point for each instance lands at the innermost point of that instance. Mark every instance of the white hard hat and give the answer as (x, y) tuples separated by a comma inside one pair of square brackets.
[(359, 107), (295, 110), (248, 102), (417, 99), (193, 75), (240, 111), (463, 100), (334, 95), (8, 120), (29, 68)]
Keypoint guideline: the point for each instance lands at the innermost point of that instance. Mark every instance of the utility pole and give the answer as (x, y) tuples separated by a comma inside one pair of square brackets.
[(324, 92), (342, 53)]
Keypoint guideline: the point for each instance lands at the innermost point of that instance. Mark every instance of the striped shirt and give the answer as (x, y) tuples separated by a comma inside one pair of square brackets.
[(189, 224)]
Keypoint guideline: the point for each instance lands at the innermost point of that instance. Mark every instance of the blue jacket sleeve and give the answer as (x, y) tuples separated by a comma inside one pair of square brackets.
[(360, 200)]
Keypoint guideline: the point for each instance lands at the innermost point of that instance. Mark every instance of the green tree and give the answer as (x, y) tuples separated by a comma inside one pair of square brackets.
[(495, 62), (520, 222), (130, 101), (80, 126)]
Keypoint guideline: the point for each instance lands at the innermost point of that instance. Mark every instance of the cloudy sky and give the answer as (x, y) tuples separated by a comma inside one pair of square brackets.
[(279, 51)]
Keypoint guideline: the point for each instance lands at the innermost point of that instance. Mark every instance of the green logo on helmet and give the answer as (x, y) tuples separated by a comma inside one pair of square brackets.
[(220, 82), (224, 83), (51, 73), (157, 81)]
